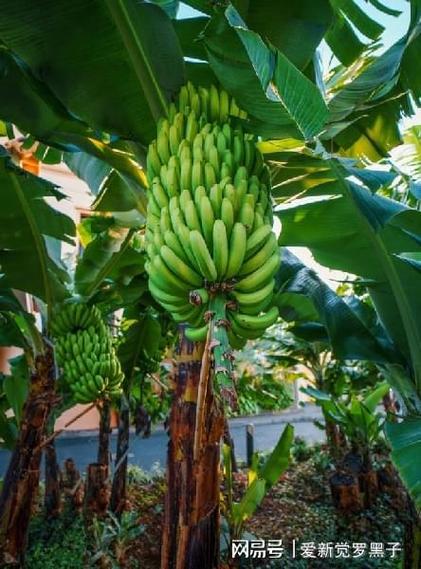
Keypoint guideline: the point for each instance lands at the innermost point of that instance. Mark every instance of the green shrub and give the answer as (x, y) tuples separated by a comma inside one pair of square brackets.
[(57, 544)]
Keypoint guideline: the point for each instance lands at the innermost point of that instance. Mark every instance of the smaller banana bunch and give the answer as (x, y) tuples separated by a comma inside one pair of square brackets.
[(85, 352)]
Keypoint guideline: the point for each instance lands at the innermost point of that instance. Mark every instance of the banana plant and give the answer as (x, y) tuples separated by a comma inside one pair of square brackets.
[(260, 481), (379, 242), (357, 417), (31, 233)]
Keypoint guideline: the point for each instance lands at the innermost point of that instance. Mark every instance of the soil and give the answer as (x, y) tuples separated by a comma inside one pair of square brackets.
[(299, 507)]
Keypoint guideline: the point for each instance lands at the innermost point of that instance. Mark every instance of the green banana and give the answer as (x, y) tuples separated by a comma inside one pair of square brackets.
[(179, 267), (202, 256), (260, 322), (173, 242), (220, 248), (238, 240), (197, 334), (260, 258), (209, 240), (215, 196), (257, 240), (227, 215), (192, 219), (255, 308), (255, 297), (213, 103), (166, 278), (207, 219), (260, 277), (165, 297)]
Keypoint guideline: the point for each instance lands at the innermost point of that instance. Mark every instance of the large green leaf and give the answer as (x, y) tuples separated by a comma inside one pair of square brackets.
[(352, 333), (114, 189), (265, 83), (370, 28), (253, 497), (141, 339), (408, 155), (188, 31), (28, 225), (8, 426), (29, 104), (372, 136), (405, 440), (116, 68), (374, 397), (377, 79), (279, 458), (169, 6), (99, 258), (343, 40), (349, 229), (203, 6), (267, 476), (295, 29), (350, 22)]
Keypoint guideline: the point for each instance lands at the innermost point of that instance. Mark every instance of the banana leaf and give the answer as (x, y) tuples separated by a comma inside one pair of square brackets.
[(348, 228), (256, 74), (267, 476), (380, 77), (353, 330), (405, 440), (108, 70), (141, 339), (29, 227), (15, 385)]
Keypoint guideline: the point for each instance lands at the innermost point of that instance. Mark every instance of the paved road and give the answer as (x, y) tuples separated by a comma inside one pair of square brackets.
[(151, 452)]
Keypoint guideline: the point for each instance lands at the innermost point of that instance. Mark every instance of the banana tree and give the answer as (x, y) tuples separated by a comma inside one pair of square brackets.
[(261, 478), (29, 228), (377, 239), (40, 228)]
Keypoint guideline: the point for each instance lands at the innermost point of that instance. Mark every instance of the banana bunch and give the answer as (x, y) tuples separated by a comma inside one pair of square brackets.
[(209, 222), (210, 217), (85, 352)]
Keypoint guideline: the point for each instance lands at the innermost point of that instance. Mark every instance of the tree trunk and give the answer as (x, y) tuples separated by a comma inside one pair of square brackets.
[(369, 484), (345, 492), (72, 485), (52, 481), (118, 493), (97, 491), (104, 433), (22, 478), (412, 539), (196, 425), (333, 438)]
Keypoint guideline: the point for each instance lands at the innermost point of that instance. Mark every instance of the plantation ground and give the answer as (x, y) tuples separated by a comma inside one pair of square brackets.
[(298, 507)]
